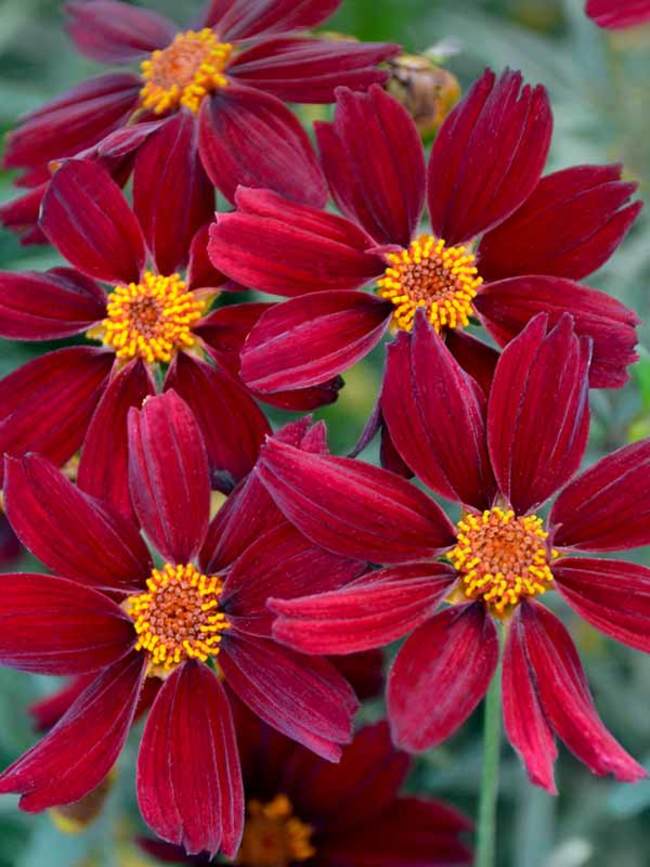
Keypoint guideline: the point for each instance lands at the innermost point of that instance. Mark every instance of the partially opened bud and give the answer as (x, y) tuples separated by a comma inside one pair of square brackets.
[(426, 90)]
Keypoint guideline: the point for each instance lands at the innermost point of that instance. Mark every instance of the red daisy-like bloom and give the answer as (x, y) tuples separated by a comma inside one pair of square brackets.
[(618, 14), (218, 89), (500, 460), (535, 238), (151, 317), (301, 810), (197, 619)]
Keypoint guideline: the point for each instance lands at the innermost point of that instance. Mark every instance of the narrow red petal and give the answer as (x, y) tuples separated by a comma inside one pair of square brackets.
[(168, 476), (607, 507), (440, 675), (76, 755), (618, 14), (435, 413), (172, 196), (50, 625), (565, 698), (373, 159), (371, 612), (310, 339), (241, 19), (72, 533), (488, 156), (188, 778), (85, 215), (538, 412), (251, 139), (352, 508)]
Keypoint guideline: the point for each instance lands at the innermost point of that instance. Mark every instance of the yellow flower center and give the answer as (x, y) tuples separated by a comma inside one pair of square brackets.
[(502, 558), (442, 280), (273, 836), (185, 72), (150, 320), (179, 618)]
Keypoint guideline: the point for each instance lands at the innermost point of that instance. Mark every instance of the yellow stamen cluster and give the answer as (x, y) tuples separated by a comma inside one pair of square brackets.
[(185, 72), (273, 836), (442, 280), (150, 320), (179, 618), (502, 558)]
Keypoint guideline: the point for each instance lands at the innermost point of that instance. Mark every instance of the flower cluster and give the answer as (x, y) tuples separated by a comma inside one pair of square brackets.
[(233, 583)]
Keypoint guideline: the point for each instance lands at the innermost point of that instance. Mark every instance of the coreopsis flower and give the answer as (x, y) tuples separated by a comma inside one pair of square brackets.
[(218, 88), (347, 815), (193, 619), (502, 245), (500, 461), (149, 319), (618, 14)]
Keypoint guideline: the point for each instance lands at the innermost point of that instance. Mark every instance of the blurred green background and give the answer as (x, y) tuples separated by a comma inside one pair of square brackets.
[(600, 88)]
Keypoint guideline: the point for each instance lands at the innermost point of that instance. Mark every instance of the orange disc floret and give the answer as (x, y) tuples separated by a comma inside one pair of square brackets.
[(273, 836), (430, 275), (179, 617), (185, 72), (502, 558), (151, 319)]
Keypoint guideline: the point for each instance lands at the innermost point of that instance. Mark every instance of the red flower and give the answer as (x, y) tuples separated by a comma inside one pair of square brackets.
[(219, 88), (349, 815), (194, 621), (151, 317), (499, 462), (537, 237), (617, 14)]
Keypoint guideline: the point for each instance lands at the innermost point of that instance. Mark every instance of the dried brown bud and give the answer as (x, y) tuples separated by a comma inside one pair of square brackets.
[(426, 90)]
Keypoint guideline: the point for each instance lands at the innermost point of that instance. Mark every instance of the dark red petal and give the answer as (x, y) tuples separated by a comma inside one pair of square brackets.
[(76, 755), (488, 156), (20, 215), (115, 32), (474, 356), (616, 14), (607, 507), (310, 70), (362, 786), (58, 303), (286, 249), (364, 672), (72, 533), (250, 138), (440, 675), (373, 159), (284, 562), (352, 508), (240, 19), (50, 625), (538, 412), (565, 698), (172, 196), (200, 271), (87, 218), (507, 306), (613, 595), (232, 424), (309, 339), (525, 722), (435, 413), (568, 227), (73, 122), (103, 467), (249, 511), (168, 476), (303, 697), (304, 399), (46, 404), (371, 612), (188, 779), (224, 330)]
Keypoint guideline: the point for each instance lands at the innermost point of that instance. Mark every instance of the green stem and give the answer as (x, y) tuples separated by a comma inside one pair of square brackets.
[(487, 830)]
